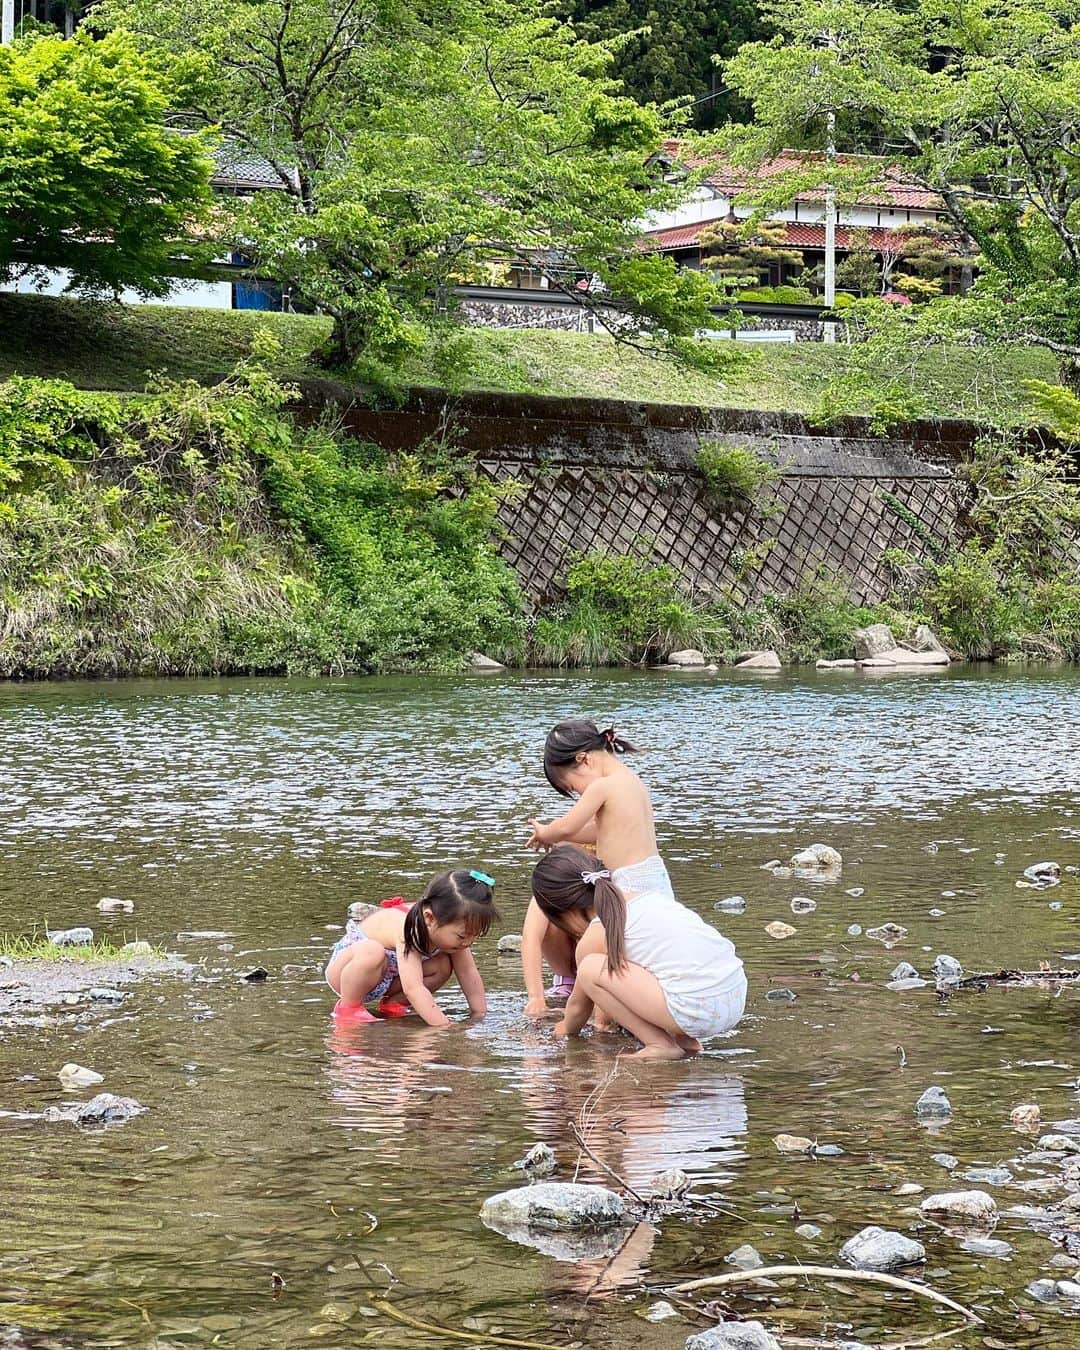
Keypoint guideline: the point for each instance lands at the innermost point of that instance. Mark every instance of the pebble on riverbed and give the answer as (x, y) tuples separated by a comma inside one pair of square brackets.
[(733, 1336), (877, 1248)]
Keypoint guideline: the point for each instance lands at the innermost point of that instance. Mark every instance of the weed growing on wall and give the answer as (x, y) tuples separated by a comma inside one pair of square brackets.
[(734, 473), (197, 529)]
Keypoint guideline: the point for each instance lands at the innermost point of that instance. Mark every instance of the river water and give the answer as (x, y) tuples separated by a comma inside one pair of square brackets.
[(348, 1164)]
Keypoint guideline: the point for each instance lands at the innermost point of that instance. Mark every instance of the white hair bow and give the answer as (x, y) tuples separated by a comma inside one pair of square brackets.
[(591, 878)]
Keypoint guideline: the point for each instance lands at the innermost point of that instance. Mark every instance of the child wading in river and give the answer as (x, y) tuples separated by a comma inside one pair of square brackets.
[(649, 963), (614, 815), (402, 953)]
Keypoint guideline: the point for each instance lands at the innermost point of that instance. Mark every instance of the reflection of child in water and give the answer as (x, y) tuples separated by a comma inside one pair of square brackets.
[(407, 951), (649, 963), (613, 814)]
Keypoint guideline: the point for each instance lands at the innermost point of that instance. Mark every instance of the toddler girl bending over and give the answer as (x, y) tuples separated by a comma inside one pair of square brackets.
[(402, 953), (649, 963), (613, 813)]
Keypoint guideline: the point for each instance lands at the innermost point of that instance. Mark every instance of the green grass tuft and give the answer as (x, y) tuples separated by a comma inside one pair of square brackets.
[(38, 947)]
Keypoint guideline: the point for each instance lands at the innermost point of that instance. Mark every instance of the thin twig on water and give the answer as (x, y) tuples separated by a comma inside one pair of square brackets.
[(828, 1272), (399, 1316), (625, 1185)]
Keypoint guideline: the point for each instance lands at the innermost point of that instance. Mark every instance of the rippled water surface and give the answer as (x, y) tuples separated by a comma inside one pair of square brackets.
[(350, 1163)]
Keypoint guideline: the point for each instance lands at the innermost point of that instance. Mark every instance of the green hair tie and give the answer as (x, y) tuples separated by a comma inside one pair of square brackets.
[(483, 876)]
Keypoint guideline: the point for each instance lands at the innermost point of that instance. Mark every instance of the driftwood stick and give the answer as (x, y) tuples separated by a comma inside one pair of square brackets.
[(625, 1185), (828, 1272)]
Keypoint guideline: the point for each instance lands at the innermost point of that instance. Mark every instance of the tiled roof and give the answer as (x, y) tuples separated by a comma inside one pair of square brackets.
[(796, 235), (893, 189), (242, 170)]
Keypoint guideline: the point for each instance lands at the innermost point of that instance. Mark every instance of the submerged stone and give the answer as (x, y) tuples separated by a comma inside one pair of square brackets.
[(104, 1109), (974, 1207), (744, 1258), (904, 971), (945, 1160), (933, 1105), (877, 1248), (818, 855), (733, 1336), (948, 968)]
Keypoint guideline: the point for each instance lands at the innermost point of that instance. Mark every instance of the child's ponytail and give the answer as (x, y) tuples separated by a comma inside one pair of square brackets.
[(578, 736), (610, 906), (417, 938), (568, 880)]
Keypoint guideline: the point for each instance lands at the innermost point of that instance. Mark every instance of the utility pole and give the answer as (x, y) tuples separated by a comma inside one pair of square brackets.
[(830, 212), (7, 22)]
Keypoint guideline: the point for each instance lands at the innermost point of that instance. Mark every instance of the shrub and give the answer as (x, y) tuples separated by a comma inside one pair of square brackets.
[(734, 472)]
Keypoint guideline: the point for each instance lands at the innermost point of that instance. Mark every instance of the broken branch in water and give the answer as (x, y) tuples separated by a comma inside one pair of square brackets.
[(399, 1316), (828, 1272), (625, 1185), (1016, 978)]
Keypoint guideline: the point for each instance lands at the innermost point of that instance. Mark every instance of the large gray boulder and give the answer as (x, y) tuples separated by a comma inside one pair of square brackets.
[(767, 660), (555, 1205), (879, 1249), (924, 639), (688, 658), (900, 656), (875, 640), (734, 1336)]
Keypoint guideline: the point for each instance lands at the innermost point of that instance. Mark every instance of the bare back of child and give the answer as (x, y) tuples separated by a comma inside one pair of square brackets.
[(613, 815)]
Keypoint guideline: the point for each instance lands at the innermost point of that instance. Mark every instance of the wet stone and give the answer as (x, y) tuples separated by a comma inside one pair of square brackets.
[(1043, 1291), (818, 855), (104, 1109), (947, 968), (933, 1105), (734, 1336), (988, 1176), (732, 904), (744, 1258), (555, 1205), (509, 944), (980, 1246), (71, 937), (671, 1184), (904, 971), (854, 930), (877, 1248), (104, 995), (1068, 1289), (1059, 1143), (973, 1207), (781, 996), (889, 933), (809, 1231), (902, 986)]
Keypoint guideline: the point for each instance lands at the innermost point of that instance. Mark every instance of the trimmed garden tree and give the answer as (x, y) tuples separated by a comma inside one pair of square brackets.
[(413, 144), (91, 178)]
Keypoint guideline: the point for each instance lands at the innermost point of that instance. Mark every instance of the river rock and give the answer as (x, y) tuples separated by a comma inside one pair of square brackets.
[(877, 663), (102, 994), (104, 1109), (71, 937), (846, 664), (980, 1246), (76, 1075), (733, 1336), (961, 1207), (945, 1160), (780, 930), (509, 944), (808, 1231), (904, 971), (802, 904), (660, 1311), (1043, 1291), (767, 660), (924, 639), (671, 1184), (933, 1105), (889, 933), (732, 904), (1068, 1289), (538, 1162), (874, 640), (1059, 1143), (744, 1258), (555, 1205), (818, 855), (854, 930), (947, 969), (1044, 873), (478, 661), (111, 905), (793, 1143), (902, 656), (139, 948), (988, 1176), (1026, 1117), (688, 658), (879, 1249)]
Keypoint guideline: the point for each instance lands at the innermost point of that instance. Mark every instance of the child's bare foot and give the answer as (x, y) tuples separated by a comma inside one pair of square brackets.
[(671, 1051), (689, 1045)]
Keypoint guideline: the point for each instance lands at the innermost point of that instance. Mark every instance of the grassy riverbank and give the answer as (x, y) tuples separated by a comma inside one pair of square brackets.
[(98, 346)]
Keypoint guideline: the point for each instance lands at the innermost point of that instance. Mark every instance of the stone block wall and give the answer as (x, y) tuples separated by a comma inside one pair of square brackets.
[(623, 477)]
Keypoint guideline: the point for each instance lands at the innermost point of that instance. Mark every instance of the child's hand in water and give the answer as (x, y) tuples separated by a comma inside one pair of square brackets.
[(536, 1008), (537, 840)]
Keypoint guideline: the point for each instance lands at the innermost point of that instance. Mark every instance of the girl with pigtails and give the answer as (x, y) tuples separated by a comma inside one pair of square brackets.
[(401, 954), (647, 962)]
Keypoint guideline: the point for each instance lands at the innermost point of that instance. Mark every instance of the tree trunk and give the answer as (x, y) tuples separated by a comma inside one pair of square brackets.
[(1069, 372), (342, 347)]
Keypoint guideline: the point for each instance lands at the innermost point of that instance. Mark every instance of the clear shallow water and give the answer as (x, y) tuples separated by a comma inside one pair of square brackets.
[(274, 1144)]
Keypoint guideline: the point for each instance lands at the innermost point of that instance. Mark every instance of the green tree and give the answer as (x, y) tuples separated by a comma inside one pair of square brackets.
[(979, 103), (414, 143), (670, 54), (91, 178)]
